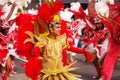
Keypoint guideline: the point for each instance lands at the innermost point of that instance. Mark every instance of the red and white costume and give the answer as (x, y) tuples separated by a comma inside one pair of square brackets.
[(113, 25), (100, 35), (3, 52)]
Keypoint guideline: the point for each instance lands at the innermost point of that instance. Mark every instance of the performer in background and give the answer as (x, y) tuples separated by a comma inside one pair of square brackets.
[(8, 11), (113, 25)]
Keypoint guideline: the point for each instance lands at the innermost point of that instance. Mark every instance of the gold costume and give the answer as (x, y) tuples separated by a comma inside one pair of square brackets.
[(52, 66)]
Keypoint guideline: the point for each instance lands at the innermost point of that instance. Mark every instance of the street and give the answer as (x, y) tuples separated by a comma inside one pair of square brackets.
[(86, 70)]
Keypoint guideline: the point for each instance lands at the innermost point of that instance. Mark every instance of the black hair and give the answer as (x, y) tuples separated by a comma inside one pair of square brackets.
[(100, 28), (4, 31), (73, 17)]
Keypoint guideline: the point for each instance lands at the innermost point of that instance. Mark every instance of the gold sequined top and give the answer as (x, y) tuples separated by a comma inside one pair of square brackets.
[(52, 55)]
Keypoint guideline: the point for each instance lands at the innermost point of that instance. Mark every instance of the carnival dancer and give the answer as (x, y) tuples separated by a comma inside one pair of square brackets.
[(90, 43), (8, 11), (94, 8), (7, 52), (45, 47), (101, 35), (5, 58), (113, 24), (109, 10)]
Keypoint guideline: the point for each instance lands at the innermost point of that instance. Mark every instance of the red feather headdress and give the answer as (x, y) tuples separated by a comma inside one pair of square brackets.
[(48, 10)]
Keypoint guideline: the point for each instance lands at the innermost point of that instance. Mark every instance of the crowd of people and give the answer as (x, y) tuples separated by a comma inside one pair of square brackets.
[(49, 38)]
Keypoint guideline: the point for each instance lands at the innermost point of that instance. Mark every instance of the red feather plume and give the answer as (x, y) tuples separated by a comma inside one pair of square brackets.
[(24, 25)]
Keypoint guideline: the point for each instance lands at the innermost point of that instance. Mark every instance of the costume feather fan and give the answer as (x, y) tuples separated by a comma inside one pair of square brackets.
[(33, 66), (24, 25)]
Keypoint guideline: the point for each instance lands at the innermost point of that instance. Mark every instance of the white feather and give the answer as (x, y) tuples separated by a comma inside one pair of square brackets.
[(102, 8), (2, 2), (75, 6), (66, 15), (32, 11)]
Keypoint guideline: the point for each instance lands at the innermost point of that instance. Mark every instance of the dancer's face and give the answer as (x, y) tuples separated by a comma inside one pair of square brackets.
[(55, 29)]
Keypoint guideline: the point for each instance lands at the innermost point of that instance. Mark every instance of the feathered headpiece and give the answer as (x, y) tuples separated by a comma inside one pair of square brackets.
[(48, 11), (102, 8)]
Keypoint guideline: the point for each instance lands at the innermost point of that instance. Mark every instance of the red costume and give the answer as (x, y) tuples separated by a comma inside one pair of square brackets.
[(113, 26), (3, 52)]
